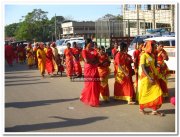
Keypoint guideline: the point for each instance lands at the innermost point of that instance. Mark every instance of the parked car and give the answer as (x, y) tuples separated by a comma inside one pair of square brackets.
[(61, 45), (61, 48), (140, 38), (169, 47), (77, 38)]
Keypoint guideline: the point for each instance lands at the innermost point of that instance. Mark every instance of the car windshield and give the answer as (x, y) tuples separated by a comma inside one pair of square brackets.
[(60, 42), (136, 40), (81, 45)]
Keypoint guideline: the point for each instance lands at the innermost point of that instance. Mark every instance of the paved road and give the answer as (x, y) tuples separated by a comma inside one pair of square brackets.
[(33, 104)]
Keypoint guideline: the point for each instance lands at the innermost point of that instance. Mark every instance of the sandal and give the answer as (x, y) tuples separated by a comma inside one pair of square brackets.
[(143, 112), (131, 103), (157, 113)]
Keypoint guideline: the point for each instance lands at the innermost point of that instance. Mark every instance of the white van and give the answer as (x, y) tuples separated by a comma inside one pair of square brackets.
[(169, 47)]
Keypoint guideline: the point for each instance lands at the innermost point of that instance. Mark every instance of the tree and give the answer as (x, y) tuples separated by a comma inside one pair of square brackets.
[(107, 16), (34, 26), (110, 16), (59, 20), (11, 29)]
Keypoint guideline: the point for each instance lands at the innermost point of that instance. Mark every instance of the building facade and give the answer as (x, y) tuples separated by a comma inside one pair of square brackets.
[(73, 29), (143, 17)]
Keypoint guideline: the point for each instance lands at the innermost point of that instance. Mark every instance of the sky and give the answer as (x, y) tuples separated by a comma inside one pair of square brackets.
[(14, 13)]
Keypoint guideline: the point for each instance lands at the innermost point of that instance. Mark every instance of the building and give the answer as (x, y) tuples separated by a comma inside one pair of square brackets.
[(72, 29), (143, 17)]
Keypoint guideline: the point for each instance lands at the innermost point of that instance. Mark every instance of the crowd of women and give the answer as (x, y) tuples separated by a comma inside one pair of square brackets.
[(151, 71)]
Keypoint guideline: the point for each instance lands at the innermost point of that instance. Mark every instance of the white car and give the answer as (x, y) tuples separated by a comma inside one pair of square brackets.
[(61, 45), (140, 38), (169, 46), (61, 48)]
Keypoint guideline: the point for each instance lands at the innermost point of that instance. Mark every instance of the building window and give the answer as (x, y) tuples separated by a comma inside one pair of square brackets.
[(130, 7), (163, 25), (79, 28), (163, 7), (133, 24), (145, 7), (146, 25)]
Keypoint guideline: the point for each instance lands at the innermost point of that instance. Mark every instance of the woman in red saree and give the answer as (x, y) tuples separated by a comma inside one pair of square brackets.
[(90, 93), (128, 63), (9, 54), (104, 71), (136, 55), (162, 68), (49, 60), (150, 93), (123, 88), (76, 60), (68, 56), (114, 53)]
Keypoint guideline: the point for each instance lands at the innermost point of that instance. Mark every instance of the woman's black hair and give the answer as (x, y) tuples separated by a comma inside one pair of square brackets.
[(88, 40), (68, 44), (101, 48), (74, 43), (123, 46)]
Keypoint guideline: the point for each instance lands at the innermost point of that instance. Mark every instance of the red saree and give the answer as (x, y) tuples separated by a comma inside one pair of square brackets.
[(163, 70), (9, 54), (69, 61), (104, 72), (76, 61), (136, 55), (90, 93), (114, 53), (49, 63), (123, 88)]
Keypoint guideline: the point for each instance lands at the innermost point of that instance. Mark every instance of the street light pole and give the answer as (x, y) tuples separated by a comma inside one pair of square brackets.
[(55, 27)]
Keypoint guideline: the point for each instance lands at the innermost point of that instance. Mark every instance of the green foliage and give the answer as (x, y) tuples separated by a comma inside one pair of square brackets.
[(34, 26), (11, 29)]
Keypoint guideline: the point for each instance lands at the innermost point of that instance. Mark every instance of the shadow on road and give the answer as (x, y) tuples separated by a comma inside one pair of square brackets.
[(20, 72), (168, 111), (112, 102), (68, 122), (26, 83), (25, 76), (9, 81), (36, 103)]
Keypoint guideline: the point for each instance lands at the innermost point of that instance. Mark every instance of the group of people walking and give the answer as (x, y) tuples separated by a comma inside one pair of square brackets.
[(151, 72)]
